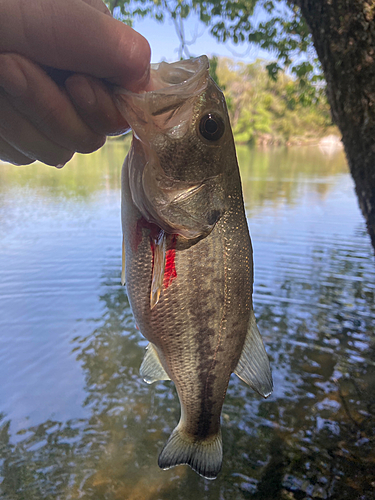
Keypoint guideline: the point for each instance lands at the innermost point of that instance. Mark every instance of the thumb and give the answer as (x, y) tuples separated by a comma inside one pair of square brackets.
[(75, 35)]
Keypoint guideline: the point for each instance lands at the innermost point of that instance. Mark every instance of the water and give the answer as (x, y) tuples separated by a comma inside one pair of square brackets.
[(76, 419)]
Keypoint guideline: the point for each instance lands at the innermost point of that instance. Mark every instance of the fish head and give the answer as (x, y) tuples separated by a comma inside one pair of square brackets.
[(182, 152)]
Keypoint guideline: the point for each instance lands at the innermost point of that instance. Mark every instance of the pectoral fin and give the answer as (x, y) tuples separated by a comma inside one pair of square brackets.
[(159, 251), (254, 366), (123, 261), (151, 368)]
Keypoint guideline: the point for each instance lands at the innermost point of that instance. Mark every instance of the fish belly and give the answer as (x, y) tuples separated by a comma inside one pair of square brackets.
[(199, 324)]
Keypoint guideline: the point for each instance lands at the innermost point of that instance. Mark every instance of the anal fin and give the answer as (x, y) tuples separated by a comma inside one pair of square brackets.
[(254, 366), (151, 368)]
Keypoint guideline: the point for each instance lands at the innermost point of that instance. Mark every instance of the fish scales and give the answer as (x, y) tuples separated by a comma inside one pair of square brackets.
[(202, 322), (194, 332)]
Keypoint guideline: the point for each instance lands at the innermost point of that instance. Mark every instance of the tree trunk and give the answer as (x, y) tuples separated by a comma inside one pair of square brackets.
[(344, 37)]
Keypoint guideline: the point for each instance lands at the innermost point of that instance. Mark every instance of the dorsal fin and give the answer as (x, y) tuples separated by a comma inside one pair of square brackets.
[(254, 366)]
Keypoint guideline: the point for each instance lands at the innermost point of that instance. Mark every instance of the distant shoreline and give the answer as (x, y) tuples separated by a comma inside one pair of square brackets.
[(331, 142)]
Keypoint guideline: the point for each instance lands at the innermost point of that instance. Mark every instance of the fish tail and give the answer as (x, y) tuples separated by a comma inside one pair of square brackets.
[(203, 456)]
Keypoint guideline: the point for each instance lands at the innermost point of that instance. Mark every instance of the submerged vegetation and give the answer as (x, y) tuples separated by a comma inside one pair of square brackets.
[(267, 111)]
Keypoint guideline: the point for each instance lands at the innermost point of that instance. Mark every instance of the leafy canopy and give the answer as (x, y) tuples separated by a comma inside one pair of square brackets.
[(273, 25), (266, 111)]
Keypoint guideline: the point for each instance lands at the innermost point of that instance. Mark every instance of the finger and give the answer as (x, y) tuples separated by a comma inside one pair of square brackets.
[(12, 155), (98, 5), (74, 35), (94, 103), (24, 137), (45, 105)]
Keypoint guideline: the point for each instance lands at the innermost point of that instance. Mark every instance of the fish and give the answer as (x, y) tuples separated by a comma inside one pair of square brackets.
[(188, 254)]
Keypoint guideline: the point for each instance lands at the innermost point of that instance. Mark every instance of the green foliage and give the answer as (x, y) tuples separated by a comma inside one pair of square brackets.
[(267, 110), (213, 67), (264, 103), (276, 26)]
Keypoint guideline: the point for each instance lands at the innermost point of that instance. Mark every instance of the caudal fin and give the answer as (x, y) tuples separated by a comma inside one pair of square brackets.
[(204, 456)]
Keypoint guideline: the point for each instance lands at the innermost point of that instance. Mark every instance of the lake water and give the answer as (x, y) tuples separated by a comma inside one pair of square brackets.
[(78, 422)]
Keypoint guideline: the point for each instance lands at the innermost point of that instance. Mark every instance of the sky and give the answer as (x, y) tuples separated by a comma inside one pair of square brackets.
[(164, 41)]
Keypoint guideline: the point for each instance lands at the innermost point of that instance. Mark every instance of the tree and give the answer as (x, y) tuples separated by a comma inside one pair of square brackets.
[(344, 38), (267, 111), (343, 35)]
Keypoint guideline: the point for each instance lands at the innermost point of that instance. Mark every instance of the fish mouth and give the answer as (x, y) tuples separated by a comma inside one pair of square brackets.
[(180, 77), (174, 86)]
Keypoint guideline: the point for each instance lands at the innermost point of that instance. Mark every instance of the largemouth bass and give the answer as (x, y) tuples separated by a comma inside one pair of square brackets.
[(188, 255)]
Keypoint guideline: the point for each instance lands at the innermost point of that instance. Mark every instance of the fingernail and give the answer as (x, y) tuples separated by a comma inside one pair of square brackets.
[(81, 91), (60, 165)]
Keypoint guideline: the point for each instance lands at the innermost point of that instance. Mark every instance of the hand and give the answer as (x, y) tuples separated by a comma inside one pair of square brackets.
[(41, 119)]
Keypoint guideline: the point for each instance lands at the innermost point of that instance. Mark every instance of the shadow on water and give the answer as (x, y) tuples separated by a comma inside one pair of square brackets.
[(313, 438)]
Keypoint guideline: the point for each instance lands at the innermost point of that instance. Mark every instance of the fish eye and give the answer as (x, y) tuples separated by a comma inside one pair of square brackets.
[(211, 127)]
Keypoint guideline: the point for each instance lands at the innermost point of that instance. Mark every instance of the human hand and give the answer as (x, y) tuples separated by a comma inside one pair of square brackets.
[(43, 120)]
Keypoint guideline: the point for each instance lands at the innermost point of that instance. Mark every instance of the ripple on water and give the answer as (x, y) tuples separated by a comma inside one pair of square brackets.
[(77, 421)]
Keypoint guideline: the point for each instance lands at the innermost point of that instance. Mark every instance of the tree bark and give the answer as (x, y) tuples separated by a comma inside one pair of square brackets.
[(343, 32)]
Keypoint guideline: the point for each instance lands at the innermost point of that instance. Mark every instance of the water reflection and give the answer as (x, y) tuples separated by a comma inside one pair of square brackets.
[(82, 177), (315, 304)]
